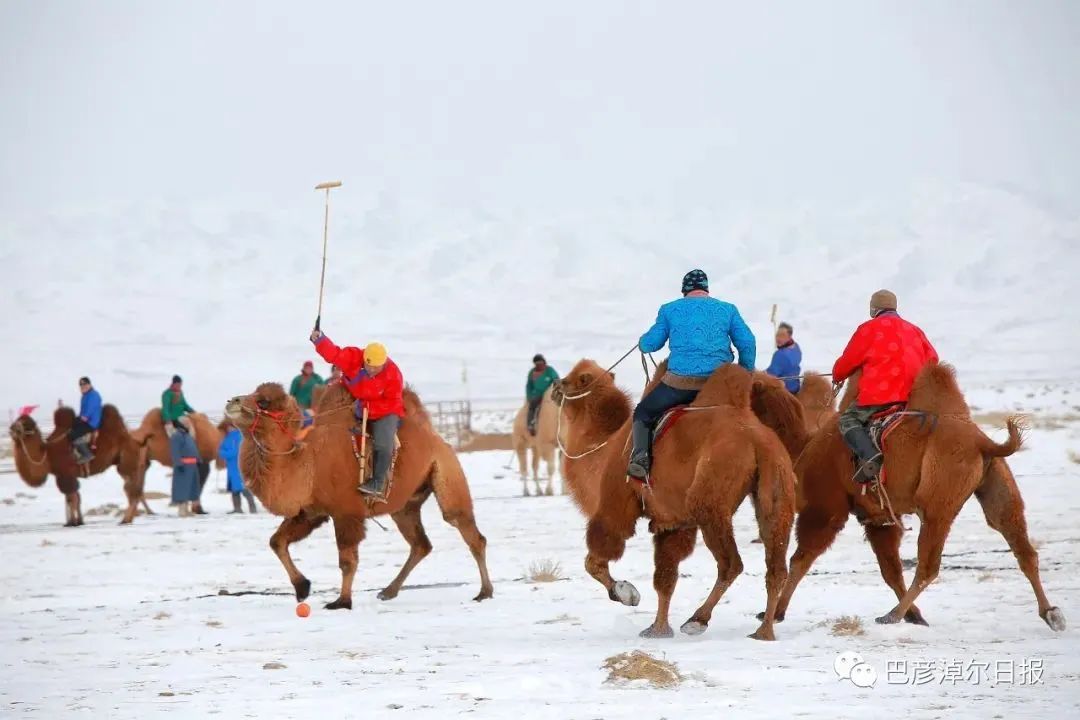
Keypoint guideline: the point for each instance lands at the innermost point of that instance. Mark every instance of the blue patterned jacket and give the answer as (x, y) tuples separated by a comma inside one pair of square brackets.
[(701, 331)]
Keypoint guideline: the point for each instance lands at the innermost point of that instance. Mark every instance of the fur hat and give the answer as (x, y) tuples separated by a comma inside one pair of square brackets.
[(177, 380), (695, 280), (883, 300)]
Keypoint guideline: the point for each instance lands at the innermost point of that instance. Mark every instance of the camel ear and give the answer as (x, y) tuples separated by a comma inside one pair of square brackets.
[(586, 378), (611, 375)]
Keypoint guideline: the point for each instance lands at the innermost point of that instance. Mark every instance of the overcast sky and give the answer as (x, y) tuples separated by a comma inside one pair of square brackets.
[(546, 105)]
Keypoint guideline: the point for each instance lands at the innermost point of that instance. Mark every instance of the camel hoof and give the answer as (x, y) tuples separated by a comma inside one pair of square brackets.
[(693, 627), (763, 634), (657, 633), (778, 618), (625, 593), (387, 594), (303, 589), (339, 604), (485, 594), (914, 617), (1055, 619), (888, 619), (125, 521)]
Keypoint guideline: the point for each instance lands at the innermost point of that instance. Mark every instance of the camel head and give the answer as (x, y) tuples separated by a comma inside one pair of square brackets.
[(586, 376), (269, 407), (23, 428)]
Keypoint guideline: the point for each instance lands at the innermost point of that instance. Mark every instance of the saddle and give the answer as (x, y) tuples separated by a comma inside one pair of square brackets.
[(883, 422), (667, 421)]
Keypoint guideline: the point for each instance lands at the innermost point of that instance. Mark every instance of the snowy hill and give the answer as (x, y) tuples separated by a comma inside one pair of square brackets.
[(227, 298)]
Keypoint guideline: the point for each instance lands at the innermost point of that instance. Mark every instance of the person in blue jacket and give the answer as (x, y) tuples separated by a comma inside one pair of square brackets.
[(82, 430), (229, 451), (700, 331), (787, 360)]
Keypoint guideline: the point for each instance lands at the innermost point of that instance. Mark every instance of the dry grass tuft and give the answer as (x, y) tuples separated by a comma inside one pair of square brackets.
[(162, 616), (106, 509), (847, 626), (214, 623), (987, 577), (637, 665), (155, 495), (274, 666), (1074, 457), (545, 571)]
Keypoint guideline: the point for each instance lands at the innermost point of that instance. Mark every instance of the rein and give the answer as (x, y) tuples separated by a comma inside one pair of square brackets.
[(20, 436)]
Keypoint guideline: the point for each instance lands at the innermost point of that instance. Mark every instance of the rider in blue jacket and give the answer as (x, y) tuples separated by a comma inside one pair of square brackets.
[(700, 331)]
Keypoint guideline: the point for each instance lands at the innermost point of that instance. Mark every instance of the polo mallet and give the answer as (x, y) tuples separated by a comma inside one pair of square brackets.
[(327, 186), (773, 318)]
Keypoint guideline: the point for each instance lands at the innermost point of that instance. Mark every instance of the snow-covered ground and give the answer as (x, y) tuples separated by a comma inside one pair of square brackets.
[(118, 622)]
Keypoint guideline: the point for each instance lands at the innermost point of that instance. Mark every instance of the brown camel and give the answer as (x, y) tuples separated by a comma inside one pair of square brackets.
[(208, 437), (311, 482), (36, 458), (817, 400), (935, 460), (704, 466), (542, 445)]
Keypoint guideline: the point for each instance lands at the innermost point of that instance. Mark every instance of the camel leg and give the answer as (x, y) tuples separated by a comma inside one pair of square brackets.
[(412, 529), (605, 538), (523, 469), (452, 494), (932, 536), (815, 531), (720, 539), (669, 549), (146, 506), (292, 530), (1004, 511), (133, 489), (885, 540), (774, 527), (348, 531), (534, 459), (72, 516)]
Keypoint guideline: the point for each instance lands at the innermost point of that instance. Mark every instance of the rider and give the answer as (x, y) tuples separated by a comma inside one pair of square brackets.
[(376, 383), (88, 422), (173, 403), (890, 351), (787, 359), (539, 380), (304, 384), (701, 330)]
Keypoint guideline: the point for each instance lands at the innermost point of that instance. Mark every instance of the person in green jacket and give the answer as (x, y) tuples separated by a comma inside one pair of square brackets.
[(173, 407), (173, 404), (304, 384), (540, 379)]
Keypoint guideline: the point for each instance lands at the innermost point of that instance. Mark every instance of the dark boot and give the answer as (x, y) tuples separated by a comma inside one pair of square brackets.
[(236, 508), (870, 460), (251, 502), (641, 436), (197, 508), (374, 485)]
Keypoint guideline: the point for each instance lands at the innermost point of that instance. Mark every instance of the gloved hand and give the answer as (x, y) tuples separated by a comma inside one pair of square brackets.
[(316, 335)]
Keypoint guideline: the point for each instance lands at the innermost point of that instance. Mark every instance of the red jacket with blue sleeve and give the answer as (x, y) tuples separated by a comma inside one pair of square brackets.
[(380, 394)]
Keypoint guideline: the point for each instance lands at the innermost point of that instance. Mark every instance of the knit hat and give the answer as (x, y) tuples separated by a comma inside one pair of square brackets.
[(375, 354), (309, 364), (176, 379), (883, 300), (538, 358), (695, 280)]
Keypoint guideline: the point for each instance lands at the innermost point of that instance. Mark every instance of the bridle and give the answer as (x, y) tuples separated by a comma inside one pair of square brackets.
[(19, 434), (563, 397), (277, 418)]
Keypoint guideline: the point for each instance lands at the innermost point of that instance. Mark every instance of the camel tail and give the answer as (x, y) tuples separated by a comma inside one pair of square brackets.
[(1016, 428)]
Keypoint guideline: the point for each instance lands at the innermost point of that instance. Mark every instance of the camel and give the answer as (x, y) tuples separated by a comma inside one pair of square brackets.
[(208, 437), (935, 460), (816, 398), (36, 458), (542, 445), (311, 482), (704, 466)]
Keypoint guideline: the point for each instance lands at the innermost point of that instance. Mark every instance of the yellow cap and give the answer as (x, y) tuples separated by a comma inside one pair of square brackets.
[(375, 354)]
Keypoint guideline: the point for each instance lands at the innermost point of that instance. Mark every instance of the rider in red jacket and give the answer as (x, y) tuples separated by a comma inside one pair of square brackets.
[(376, 383), (890, 351)]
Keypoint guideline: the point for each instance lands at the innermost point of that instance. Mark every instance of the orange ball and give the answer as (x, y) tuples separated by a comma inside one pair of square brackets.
[(303, 610)]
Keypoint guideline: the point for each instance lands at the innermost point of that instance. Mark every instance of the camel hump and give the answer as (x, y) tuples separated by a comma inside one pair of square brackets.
[(414, 407), (936, 390), (816, 392), (111, 418), (728, 385)]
